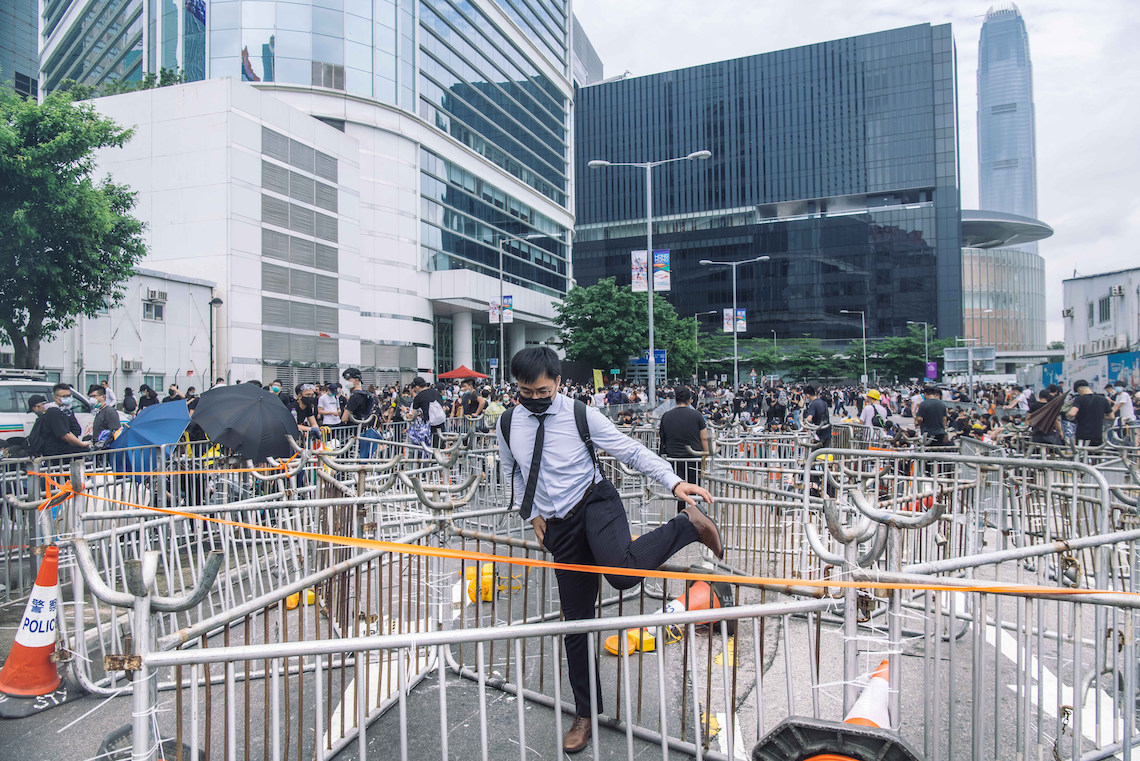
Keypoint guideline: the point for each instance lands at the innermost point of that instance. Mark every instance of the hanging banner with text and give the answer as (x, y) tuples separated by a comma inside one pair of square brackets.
[(639, 264), (741, 321), (507, 312)]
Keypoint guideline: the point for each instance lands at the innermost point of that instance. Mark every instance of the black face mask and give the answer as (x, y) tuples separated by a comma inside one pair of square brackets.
[(536, 406)]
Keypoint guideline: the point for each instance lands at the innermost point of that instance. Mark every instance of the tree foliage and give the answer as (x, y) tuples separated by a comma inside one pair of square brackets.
[(605, 325), (67, 241), (904, 356)]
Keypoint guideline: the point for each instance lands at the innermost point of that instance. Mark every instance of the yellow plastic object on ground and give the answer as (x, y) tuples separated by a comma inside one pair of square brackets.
[(634, 640), (487, 582)]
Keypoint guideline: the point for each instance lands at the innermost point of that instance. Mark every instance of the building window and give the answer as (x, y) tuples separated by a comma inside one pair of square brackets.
[(26, 86), (154, 312), (155, 382), (1092, 315), (94, 379), (1105, 309)]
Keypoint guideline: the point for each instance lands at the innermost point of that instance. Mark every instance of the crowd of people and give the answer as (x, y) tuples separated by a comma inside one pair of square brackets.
[(898, 413)]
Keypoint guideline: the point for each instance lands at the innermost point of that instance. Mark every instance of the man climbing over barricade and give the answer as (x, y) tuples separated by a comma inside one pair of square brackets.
[(547, 450)]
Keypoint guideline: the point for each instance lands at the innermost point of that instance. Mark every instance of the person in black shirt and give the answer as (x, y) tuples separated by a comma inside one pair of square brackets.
[(360, 403), (776, 413), (469, 403), (304, 408), (682, 429), (818, 415), (1090, 411), (149, 397), (931, 416), (56, 430), (425, 395)]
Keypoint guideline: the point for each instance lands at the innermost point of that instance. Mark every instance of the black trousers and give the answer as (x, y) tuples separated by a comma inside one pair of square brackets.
[(597, 533), (690, 472)]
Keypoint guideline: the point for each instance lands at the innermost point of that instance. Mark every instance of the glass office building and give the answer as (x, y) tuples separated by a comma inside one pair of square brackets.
[(839, 161), (461, 111), (19, 53), (1003, 285), (1007, 143)]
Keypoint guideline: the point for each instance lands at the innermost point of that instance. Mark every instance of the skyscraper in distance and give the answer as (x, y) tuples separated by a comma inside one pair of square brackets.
[(1003, 277), (1007, 142)]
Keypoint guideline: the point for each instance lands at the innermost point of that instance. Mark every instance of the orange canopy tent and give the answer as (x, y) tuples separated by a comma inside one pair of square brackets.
[(463, 371)]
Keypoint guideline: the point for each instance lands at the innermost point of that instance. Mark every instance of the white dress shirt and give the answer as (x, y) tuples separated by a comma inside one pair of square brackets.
[(567, 470)]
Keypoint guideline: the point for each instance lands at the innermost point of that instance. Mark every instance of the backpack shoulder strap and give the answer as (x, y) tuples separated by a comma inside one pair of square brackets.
[(584, 429), (505, 425)]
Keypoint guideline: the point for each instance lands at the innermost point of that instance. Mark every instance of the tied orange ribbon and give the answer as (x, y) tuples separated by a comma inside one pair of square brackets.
[(443, 552)]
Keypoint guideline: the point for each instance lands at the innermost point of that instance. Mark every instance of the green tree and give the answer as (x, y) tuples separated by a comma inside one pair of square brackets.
[(903, 356), (1056, 346), (604, 325), (67, 241)]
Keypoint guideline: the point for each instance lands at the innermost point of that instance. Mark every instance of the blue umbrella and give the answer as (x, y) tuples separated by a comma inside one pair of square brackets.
[(155, 426)]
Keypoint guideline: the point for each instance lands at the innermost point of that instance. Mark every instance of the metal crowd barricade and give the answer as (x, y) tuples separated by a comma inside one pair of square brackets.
[(306, 646)]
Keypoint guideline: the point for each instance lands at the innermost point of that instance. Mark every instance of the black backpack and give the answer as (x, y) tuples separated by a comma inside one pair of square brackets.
[(879, 419), (579, 420)]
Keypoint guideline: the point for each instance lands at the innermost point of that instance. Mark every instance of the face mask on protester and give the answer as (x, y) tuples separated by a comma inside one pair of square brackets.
[(536, 406)]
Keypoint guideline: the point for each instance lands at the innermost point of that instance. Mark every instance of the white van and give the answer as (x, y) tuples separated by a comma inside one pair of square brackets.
[(15, 391)]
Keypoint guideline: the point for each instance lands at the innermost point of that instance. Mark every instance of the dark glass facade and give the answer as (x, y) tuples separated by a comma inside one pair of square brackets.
[(19, 55), (838, 160)]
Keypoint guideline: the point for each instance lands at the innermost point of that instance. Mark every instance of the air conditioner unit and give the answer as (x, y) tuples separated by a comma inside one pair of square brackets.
[(1116, 290), (1067, 312), (153, 295), (132, 365)]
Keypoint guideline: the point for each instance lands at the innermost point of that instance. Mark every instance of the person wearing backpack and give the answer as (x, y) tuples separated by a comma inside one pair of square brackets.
[(429, 404), (874, 414), (546, 447)]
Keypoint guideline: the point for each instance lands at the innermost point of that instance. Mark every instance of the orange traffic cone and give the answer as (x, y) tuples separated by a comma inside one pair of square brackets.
[(700, 596), (29, 671), (871, 709)]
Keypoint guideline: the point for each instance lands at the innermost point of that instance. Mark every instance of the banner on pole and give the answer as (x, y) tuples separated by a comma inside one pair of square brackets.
[(931, 370), (639, 264), (661, 277), (599, 382), (639, 267), (741, 321), (507, 313)]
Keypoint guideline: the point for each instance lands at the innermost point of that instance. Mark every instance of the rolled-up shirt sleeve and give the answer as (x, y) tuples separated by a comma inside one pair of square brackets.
[(607, 437)]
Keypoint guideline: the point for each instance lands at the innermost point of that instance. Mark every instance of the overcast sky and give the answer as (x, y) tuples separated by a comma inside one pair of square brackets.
[(1086, 85)]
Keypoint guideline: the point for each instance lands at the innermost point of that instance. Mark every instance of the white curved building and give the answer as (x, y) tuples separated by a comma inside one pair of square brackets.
[(347, 171)]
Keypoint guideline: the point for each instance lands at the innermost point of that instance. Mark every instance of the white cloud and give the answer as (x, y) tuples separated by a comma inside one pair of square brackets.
[(1086, 70)]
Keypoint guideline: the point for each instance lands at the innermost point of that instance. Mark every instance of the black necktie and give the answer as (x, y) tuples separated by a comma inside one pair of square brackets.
[(535, 462)]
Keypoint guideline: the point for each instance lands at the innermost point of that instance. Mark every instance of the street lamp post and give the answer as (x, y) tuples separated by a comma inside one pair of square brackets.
[(501, 376), (970, 362), (648, 166), (696, 338), (925, 340), (735, 353), (214, 304), (863, 319)]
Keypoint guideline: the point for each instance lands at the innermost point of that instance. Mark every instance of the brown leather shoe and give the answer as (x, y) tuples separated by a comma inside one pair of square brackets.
[(707, 532), (579, 734)]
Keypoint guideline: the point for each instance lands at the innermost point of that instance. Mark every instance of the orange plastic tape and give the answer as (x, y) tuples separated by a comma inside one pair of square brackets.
[(443, 552)]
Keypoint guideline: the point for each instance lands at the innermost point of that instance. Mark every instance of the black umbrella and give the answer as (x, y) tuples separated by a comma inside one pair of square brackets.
[(251, 422)]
